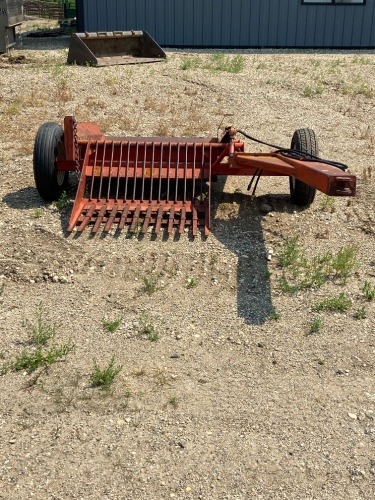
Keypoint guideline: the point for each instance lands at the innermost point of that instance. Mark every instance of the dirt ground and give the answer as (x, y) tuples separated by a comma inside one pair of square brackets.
[(231, 386)]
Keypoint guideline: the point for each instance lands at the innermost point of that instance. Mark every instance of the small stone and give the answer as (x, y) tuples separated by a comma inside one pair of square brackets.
[(55, 278), (175, 356), (265, 208), (353, 416), (259, 344)]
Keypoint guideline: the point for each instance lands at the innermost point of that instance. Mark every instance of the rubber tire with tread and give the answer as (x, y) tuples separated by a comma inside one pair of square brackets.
[(49, 182), (301, 193)]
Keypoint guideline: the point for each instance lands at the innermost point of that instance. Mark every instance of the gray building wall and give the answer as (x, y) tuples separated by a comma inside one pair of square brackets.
[(235, 23)]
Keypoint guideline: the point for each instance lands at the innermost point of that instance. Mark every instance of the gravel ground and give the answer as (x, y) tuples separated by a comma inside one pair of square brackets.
[(230, 387)]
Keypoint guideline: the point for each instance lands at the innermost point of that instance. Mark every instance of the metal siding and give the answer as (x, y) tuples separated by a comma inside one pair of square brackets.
[(236, 23)]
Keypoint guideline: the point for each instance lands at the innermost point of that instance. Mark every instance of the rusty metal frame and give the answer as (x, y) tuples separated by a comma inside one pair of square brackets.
[(141, 182)]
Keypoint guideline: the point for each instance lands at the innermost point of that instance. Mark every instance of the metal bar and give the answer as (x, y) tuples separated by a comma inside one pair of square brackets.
[(146, 222), (100, 217), (135, 219), (182, 220), (152, 170), (169, 169), (171, 220), (124, 216), (111, 218), (101, 173), (95, 164), (158, 220), (177, 167), (118, 172), (195, 221), (86, 218), (160, 171), (144, 171), (127, 173), (110, 173), (194, 162), (185, 172), (136, 164)]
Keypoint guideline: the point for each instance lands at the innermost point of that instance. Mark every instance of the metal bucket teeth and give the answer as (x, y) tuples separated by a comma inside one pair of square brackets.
[(146, 185)]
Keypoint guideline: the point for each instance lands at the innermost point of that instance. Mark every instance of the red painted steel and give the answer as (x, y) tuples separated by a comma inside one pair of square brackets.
[(144, 182)]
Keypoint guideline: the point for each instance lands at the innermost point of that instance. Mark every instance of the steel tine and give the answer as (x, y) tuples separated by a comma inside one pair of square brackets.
[(146, 222), (144, 171), (127, 173), (135, 220), (160, 170), (195, 221), (171, 220), (101, 172), (159, 217), (86, 218), (135, 169), (118, 171), (182, 220), (177, 169), (93, 170), (100, 218), (111, 218), (185, 171), (110, 172), (124, 216)]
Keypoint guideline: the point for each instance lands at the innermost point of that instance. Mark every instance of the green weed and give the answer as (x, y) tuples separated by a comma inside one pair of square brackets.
[(327, 203), (360, 313), (274, 315), (147, 329), (230, 64), (299, 272), (150, 284), (316, 325), (191, 62), (32, 360), (112, 326), (104, 377), (191, 282), (368, 291), (340, 303), (173, 401), (290, 253), (62, 202), (41, 330)]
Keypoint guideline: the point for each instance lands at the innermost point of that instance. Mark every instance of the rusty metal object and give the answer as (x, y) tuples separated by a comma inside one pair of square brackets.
[(113, 47), (159, 182)]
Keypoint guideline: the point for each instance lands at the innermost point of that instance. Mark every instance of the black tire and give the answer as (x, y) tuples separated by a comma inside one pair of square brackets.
[(305, 140), (49, 182)]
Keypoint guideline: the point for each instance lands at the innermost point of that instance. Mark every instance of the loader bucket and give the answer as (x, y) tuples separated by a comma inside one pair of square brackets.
[(113, 47)]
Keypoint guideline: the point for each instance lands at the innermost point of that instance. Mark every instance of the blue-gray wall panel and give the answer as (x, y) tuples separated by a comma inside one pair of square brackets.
[(234, 23)]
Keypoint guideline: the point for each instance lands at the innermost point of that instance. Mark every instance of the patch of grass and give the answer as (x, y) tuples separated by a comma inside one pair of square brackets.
[(62, 202), (173, 401), (327, 203), (41, 330), (340, 303), (290, 253), (191, 282), (344, 262), (227, 63), (32, 360), (360, 313), (147, 329), (367, 289), (191, 62), (150, 284), (274, 315), (313, 91), (38, 213), (112, 326), (104, 377), (315, 325), (299, 272)]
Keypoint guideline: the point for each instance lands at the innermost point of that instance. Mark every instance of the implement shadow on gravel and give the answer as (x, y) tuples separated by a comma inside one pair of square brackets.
[(242, 234)]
